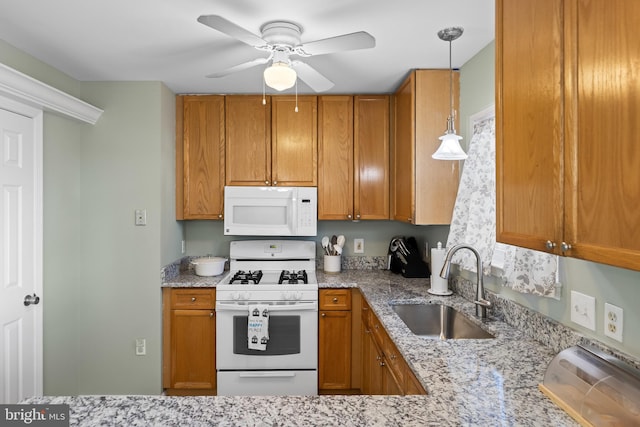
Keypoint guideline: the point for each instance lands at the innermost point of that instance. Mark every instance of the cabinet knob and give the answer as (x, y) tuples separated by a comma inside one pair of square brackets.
[(348, 216), (323, 314), (550, 245), (335, 300), (358, 216), (275, 182), (266, 182), (193, 299), (219, 215), (392, 357), (564, 246), (212, 314)]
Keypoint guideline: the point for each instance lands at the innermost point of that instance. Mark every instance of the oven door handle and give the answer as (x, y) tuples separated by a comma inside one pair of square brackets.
[(267, 374), (273, 308)]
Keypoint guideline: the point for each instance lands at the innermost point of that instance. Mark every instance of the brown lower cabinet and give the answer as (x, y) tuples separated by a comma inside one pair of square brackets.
[(189, 341), (355, 353), (384, 370)]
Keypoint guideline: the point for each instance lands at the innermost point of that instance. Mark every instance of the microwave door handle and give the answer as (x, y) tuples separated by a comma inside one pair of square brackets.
[(294, 213), (272, 308)]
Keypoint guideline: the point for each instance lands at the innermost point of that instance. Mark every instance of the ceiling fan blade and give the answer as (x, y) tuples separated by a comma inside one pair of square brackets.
[(239, 67), (311, 76), (353, 41), (229, 28)]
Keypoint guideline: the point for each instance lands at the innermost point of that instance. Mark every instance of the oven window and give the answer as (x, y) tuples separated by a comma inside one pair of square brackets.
[(260, 215), (284, 336)]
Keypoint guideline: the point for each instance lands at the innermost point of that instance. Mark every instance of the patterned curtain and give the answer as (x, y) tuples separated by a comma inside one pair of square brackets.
[(474, 223)]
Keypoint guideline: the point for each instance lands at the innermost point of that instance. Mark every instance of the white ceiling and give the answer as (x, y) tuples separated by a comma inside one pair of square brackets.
[(160, 40)]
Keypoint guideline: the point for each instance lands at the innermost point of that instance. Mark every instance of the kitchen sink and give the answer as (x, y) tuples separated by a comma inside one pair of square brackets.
[(439, 321)]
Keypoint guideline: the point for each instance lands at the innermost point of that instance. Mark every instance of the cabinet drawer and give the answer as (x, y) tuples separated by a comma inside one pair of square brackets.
[(335, 299), (193, 298)]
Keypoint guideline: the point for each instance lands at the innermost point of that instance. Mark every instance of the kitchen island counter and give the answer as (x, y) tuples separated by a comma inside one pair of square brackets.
[(469, 382)]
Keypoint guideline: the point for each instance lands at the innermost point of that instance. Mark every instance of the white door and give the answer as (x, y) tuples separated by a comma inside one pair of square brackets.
[(20, 257)]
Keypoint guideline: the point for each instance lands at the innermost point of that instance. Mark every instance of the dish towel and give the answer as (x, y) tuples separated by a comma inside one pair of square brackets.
[(258, 326)]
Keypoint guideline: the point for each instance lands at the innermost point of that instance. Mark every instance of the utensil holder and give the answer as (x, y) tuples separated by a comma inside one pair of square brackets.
[(332, 263)]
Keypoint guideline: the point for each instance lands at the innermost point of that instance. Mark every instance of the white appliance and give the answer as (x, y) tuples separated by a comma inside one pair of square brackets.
[(270, 211), (280, 274)]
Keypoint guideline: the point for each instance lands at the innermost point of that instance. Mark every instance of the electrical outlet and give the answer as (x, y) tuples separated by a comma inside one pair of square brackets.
[(613, 321), (184, 246), (141, 347), (358, 246), (141, 216), (583, 310)]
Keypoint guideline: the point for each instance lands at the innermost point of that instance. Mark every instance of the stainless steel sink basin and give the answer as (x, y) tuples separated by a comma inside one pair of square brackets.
[(439, 321)]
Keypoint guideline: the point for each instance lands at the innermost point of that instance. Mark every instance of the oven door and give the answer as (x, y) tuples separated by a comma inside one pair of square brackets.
[(293, 338)]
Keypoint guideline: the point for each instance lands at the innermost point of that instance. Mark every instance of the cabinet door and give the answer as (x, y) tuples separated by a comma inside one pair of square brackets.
[(403, 154), (371, 157), (334, 352), (335, 157), (294, 155), (372, 364), (603, 183), (529, 122), (436, 181), (199, 157), (248, 140), (193, 358)]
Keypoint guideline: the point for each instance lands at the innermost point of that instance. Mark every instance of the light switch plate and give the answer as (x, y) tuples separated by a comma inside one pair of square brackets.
[(583, 310)]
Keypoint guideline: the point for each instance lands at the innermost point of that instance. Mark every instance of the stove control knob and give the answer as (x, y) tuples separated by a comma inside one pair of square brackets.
[(235, 295), (286, 295), (298, 295)]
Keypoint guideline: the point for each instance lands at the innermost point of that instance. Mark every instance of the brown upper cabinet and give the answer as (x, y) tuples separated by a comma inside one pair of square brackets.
[(248, 140), (271, 143), (294, 141), (423, 189), (567, 104), (353, 152), (199, 156)]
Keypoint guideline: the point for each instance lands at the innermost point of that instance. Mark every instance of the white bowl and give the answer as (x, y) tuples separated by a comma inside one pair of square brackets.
[(210, 266)]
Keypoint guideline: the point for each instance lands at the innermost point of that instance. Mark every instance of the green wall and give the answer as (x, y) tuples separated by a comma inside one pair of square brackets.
[(607, 284), (101, 273)]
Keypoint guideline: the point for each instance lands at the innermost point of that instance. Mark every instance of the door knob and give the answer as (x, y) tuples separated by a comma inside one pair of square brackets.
[(31, 299)]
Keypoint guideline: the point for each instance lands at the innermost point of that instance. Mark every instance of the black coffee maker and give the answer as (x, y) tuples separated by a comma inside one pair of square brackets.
[(404, 258)]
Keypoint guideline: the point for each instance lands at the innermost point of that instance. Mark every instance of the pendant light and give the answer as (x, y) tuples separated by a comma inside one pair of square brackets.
[(450, 148)]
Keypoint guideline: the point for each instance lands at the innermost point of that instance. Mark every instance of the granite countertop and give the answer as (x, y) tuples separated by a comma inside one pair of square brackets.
[(469, 382)]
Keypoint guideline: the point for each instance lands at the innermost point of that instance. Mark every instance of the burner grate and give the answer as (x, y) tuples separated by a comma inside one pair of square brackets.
[(293, 277), (244, 278)]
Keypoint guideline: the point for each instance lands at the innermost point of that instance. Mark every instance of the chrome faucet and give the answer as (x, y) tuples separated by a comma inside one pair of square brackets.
[(481, 303)]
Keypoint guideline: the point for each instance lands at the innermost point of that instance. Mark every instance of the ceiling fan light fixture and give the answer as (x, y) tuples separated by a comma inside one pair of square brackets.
[(280, 76), (450, 148)]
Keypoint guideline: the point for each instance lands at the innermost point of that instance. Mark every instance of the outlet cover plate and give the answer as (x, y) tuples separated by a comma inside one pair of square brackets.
[(583, 310), (358, 246), (613, 323)]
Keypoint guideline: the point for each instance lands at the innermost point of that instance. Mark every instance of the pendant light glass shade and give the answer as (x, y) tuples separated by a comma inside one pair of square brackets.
[(450, 148), (280, 76)]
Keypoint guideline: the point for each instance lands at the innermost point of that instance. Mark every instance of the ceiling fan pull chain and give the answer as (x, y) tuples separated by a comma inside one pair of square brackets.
[(296, 109), (264, 99)]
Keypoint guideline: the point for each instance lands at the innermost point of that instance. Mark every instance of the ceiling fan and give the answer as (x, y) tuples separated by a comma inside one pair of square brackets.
[(281, 39)]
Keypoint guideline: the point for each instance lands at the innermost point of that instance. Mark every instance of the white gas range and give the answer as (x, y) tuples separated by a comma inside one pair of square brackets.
[(279, 276)]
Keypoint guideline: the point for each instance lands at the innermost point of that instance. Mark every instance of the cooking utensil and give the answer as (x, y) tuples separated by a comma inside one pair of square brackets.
[(334, 242), (325, 244), (341, 241), (338, 249)]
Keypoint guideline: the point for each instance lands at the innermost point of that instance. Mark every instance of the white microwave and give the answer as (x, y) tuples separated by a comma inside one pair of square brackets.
[(270, 211)]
